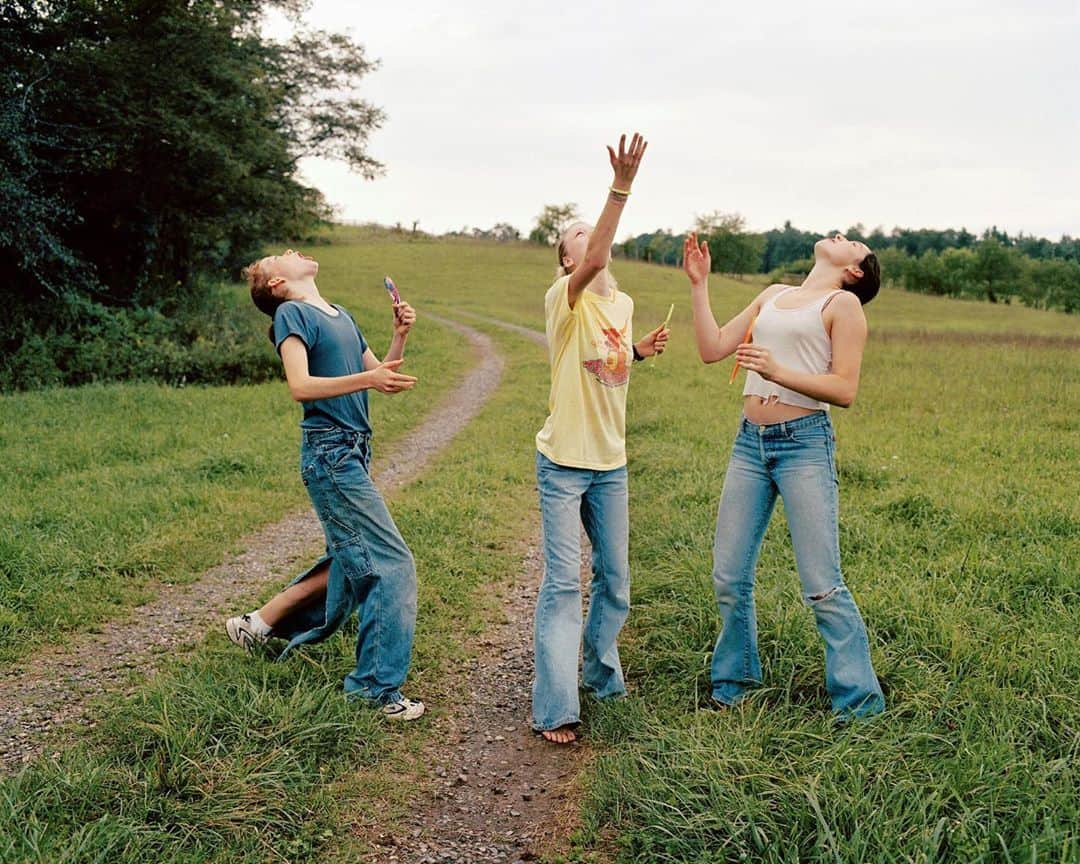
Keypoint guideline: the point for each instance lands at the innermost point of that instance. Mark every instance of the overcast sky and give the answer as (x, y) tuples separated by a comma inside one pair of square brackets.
[(921, 114)]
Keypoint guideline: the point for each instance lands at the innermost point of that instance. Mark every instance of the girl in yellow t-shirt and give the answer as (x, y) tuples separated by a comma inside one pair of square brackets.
[(581, 464)]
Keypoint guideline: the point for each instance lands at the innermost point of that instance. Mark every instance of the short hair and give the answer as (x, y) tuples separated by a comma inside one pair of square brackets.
[(866, 286), (261, 292)]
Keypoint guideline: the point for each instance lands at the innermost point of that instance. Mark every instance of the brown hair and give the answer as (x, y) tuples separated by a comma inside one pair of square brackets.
[(262, 295), (867, 285)]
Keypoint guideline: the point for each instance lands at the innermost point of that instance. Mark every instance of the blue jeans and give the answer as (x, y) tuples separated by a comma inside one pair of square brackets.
[(796, 460), (371, 568), (570, 497)]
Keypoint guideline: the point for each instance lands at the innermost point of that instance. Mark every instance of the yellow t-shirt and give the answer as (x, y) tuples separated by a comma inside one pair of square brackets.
[(590, 351)]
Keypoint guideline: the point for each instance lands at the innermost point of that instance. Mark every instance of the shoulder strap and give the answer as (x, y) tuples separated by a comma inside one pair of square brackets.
[(780, 293), (829, 298)]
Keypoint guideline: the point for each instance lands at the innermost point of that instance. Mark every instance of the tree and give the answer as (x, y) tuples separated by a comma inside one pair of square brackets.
[(714, 221), (995, 265), (170, 132), (787, 245), (551, 222), (748, 254), (733, 250), (664, 248), (1053, 284), (32, 220), (504, 232)]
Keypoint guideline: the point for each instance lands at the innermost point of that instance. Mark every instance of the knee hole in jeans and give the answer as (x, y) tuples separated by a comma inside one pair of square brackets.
[(811, 599)]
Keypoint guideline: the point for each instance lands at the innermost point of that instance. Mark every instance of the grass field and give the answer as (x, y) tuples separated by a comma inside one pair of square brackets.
[(108, 492), (223, 758), (960, 530)]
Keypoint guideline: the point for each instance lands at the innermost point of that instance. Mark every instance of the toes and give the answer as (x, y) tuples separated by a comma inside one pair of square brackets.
[(559, 736)]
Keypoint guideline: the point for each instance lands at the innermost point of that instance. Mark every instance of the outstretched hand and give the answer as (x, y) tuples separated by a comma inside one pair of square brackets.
[(697, 262), (386, 378), (625, 163)]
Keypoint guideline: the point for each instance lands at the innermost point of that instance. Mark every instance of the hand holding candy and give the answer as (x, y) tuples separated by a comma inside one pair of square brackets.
[(404, 318), (392, 288), (746, 341)]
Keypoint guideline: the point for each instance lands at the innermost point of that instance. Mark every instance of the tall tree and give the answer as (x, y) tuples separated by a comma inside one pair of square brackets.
[(171, 132)]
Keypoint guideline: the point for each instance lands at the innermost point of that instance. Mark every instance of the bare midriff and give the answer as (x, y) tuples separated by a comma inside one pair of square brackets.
[(762, 412)]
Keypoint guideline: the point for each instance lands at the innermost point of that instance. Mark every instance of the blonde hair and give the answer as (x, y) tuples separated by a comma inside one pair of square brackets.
[(560, 270), (560, 249)]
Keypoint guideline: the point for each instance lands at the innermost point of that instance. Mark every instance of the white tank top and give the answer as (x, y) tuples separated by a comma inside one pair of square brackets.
[(797, 340)]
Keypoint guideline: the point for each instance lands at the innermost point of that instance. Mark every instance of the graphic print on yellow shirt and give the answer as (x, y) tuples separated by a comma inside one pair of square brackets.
[(613, 370), (589, 350)]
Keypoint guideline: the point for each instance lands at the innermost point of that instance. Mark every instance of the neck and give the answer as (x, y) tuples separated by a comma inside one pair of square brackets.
[(601, 284), (823, 277), (306, 290)]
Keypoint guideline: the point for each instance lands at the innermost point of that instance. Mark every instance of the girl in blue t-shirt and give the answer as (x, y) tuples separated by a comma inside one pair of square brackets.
[(367, 566)]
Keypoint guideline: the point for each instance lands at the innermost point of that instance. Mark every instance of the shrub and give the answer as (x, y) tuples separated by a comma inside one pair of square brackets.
[(211, 340)]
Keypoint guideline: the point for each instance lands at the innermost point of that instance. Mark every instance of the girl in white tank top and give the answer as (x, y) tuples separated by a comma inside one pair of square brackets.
[(802, 359), (798, 340)]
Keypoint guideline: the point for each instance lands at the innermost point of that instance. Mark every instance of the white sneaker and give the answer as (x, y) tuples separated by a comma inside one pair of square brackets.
[(242, 631), (406, 709)]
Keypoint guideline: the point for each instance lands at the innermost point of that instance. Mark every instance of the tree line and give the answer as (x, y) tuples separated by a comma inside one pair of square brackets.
[(994, 265)]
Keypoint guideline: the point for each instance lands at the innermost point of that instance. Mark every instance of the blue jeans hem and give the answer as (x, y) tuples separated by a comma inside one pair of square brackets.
[(373, 702), (543, 727), (606, 697), (731, 699), (871, 707)]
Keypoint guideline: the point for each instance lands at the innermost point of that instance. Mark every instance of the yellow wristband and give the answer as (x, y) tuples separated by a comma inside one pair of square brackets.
[(624, 192)]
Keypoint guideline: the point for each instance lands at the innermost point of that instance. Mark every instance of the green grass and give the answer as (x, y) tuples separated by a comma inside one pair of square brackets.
[(222, 758), (109, 491), (959, 530), (961, 541)]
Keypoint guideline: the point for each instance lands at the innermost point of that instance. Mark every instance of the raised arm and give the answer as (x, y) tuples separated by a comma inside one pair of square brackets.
[(847, 330), (624, 164), (713, 341), (305, 387), (404, 318)]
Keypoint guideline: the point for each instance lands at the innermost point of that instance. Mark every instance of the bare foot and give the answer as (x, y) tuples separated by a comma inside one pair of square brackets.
[(562, 735)]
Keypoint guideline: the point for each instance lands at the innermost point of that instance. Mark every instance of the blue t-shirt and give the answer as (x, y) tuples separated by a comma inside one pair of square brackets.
[(335, 347)]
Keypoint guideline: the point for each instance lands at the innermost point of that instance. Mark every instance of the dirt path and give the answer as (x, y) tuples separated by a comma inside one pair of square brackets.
[(51, 689), (500, 793)]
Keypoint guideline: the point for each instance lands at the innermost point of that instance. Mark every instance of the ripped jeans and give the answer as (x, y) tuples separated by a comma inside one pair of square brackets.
[(795, 460)]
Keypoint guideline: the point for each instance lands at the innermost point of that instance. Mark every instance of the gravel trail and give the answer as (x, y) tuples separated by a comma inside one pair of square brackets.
[(45, 696)]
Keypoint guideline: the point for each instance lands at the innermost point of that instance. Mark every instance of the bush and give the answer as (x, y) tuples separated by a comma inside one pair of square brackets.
[(209, 341)]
